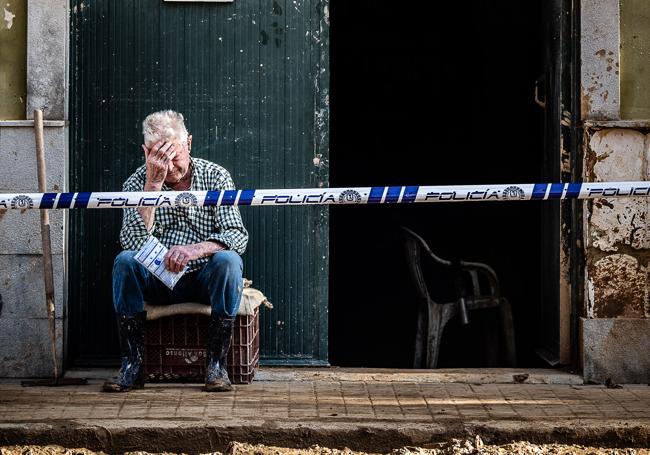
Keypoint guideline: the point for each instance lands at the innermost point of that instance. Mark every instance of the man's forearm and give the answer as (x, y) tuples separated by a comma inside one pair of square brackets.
[(208, 248), (147, 214), (179, 256)]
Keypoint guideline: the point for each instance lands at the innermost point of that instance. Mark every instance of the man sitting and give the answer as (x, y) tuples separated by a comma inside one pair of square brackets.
[(209, 240)]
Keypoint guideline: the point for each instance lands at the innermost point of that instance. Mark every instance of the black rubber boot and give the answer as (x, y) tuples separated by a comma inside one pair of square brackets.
[(131, 374), (219, 337)]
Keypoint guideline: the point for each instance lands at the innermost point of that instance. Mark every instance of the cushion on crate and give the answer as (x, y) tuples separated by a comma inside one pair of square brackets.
[(250, 300)]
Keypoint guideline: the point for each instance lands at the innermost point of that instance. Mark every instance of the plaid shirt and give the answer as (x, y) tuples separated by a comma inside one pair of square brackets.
[(187, 225)]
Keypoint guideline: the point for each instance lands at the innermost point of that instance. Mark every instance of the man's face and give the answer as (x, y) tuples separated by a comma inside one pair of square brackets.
[(180, 163)]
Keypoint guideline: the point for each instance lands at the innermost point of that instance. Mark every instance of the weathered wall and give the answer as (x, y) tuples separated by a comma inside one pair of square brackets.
[(617, 348), (47, 58), (24, 330), (615, 334), (25, 345), (600, 59), (616, 229), (13, 61), (617, 255)]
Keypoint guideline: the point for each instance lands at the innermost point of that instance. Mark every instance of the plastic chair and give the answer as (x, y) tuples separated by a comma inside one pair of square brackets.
[(470, 285)]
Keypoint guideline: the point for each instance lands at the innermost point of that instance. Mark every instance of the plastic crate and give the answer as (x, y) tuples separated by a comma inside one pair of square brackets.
[(175, 349), (244, 354)]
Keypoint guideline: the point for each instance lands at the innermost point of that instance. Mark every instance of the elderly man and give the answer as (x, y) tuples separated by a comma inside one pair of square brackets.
[(209, 240)]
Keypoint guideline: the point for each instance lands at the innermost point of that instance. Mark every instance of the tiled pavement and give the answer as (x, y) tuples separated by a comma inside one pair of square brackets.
[(323, 410)]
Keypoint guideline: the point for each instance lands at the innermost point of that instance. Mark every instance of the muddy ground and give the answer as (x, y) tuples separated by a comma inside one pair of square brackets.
[(454, 447)]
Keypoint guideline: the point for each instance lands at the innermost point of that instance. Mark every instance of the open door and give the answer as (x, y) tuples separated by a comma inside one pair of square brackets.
[(466, 116)]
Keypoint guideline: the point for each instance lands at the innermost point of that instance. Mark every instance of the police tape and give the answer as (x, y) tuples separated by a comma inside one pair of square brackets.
[(320, 196)]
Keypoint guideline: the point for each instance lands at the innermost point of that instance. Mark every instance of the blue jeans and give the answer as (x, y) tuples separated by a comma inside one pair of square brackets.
[(218, 284)]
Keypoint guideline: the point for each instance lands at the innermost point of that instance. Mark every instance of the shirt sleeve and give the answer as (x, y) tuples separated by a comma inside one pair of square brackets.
[(230, 228), (134, 233)]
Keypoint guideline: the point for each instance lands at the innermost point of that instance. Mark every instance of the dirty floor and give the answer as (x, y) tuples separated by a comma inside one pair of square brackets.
[(366, 411)]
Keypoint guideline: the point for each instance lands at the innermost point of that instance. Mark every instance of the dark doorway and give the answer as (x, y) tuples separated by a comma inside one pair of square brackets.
[(432, 93)]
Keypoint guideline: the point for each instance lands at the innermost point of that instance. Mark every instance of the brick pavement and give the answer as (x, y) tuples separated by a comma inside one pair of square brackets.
[(326, 410)]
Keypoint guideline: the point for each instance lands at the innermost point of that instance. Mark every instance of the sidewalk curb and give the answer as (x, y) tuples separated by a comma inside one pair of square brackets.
[(194, 437)]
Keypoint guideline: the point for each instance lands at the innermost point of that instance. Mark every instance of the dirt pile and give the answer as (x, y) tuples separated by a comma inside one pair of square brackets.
[(453, 447)]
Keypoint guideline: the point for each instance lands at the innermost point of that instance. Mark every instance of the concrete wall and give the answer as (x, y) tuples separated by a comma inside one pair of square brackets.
[(25, 345), (615, 330)]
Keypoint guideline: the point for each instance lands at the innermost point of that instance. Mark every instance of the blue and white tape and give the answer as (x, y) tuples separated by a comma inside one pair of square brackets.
[(320, 196)]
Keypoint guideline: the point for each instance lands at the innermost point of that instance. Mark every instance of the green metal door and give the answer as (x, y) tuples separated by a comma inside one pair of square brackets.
[(251, 78)]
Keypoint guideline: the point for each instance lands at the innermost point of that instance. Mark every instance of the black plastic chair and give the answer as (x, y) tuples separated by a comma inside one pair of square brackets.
[(471, 286)]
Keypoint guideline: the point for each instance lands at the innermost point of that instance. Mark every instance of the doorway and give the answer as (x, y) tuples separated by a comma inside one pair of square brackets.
[(430, 94)]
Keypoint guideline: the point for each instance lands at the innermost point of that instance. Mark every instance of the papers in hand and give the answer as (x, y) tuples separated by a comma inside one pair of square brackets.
[(152, 255)]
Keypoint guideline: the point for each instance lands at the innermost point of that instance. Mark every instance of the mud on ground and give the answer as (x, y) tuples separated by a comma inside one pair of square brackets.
[(453, 447)]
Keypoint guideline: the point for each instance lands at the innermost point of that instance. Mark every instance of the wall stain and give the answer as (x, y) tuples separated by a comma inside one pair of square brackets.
[(619, 287), (603, 202), (278, 30), (9, 18), (585, 101)]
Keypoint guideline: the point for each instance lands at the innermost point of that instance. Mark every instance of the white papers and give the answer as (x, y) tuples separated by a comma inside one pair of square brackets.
[(152, 255)]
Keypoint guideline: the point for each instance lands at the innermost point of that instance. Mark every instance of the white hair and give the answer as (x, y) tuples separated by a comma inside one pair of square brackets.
[(164, 126)]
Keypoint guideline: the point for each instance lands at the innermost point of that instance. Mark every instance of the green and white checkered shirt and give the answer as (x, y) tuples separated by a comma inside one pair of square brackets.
[(187, 225)]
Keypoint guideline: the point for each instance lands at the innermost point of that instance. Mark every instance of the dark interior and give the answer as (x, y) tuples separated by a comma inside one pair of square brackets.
[(432, 93)]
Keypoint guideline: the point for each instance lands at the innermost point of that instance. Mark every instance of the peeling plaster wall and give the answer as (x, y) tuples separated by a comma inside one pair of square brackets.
[(618, 245), (617, 255), (617, 154), (616, 310), (25, 344)]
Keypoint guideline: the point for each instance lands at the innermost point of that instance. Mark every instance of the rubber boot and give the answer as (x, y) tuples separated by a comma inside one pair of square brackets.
[(131, 374), (219, 338)]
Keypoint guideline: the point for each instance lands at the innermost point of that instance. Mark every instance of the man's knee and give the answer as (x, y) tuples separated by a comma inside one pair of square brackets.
[(227, 263), (125, 261), (127, 281)]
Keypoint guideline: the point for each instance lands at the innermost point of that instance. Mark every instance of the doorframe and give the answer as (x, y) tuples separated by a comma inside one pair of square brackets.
[(571, 160), (574, 219), (563, 162)]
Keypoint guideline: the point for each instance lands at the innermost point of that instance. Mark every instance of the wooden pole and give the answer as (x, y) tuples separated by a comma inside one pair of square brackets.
[(48, 274)]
